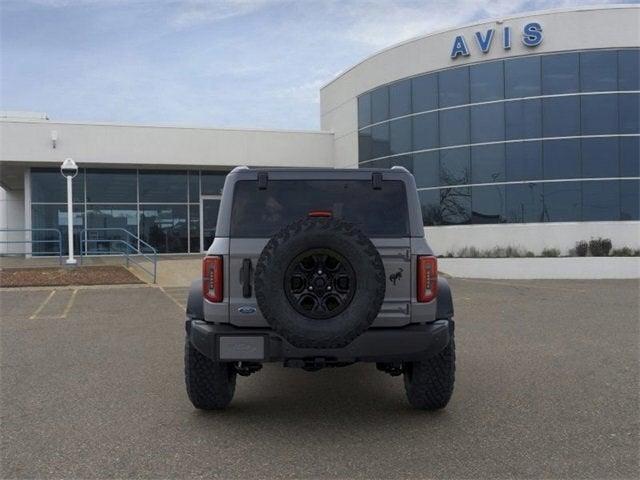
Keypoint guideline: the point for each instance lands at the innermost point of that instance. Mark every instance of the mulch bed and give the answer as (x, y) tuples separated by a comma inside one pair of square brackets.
[(59, 276)]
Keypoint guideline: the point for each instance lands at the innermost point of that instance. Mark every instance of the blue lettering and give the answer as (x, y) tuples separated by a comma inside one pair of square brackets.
[(506, 38), (459, 47), (485, 43), (532, 35)]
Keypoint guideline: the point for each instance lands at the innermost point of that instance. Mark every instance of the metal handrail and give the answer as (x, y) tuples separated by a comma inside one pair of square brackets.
[(137, 251), (32, 241)]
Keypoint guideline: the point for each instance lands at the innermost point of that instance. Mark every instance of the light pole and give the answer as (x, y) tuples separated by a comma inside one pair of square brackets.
[(69, 169)]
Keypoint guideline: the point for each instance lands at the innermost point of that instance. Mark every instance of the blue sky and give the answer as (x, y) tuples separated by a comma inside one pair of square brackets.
[(225, 63)]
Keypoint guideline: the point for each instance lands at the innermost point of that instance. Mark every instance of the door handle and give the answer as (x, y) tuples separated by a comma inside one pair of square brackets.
[(245, 277)]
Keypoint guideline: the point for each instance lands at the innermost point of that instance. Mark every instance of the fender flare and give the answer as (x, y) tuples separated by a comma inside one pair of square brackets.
[(445, 300), (195, 302)]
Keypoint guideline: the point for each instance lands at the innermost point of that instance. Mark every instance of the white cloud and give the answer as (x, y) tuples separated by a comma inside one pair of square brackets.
[(380, 23), (195, 12)]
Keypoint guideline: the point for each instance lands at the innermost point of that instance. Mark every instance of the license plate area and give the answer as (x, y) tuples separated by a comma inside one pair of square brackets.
[(241, 347)]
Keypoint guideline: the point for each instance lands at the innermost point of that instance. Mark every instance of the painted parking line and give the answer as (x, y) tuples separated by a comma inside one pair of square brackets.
[(177, 295), (42, 305), (57, 305)]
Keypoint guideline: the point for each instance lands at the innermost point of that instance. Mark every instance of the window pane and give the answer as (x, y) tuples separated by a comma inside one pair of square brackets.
[(599, 114), (454, 166), (163, 186), (600, 157), (400, 98), (488, 204), (486, 82), (48, 185), (561, 116), (630, 156), (523, 161), (455, 205), (629, 112), (454, 127), (194, 227), (364, 110), (106, 185), (430, 203), (629, 200), (523, 119), (560, 73), (600, 201), (194, 186), (487, 164), (405, 161), (400, 135), (561, 159), (426, 169), (487, 123), (425, 131), (114, 218), (629, 69), (599, 71), (55, 216), (380, 140), (562, 202), (524, 203), (164, 227), (453, 87), (381, 212), (522, 77), (382, 163), (212, 182), (380, 104), (424, 93), (365, 145)]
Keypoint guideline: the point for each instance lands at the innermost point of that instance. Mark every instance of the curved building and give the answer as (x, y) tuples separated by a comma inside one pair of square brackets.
[(521, 131)]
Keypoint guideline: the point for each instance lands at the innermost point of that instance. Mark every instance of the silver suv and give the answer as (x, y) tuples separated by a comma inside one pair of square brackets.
[(319, 268)]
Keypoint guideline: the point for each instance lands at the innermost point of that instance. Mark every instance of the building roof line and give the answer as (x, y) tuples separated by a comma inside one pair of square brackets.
[(475, 23), (147, 125)]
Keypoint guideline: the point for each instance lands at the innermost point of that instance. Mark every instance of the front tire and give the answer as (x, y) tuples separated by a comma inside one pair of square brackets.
[(210, 385), (429, 383)]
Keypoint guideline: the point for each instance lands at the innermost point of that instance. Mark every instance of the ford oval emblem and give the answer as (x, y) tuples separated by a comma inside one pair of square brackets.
[(247, 310)]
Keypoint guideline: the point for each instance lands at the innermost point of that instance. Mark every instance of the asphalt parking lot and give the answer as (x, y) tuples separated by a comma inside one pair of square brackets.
[(547, 386)]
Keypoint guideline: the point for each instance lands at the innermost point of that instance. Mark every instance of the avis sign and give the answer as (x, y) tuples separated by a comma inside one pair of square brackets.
[(531, 37)]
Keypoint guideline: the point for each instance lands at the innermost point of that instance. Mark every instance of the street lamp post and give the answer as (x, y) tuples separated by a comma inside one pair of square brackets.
[(69, 169)]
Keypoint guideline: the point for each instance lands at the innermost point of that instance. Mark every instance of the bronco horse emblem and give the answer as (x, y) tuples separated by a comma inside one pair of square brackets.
[(394, 277)]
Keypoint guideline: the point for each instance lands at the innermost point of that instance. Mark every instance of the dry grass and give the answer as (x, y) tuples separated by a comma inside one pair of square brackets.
[(59, 276)]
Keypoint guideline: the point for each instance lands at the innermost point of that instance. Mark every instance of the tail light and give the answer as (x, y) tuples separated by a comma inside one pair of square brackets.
[(212, 286), (427, 278)]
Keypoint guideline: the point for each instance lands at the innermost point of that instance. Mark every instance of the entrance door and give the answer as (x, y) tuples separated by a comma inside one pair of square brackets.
[(209, 206)]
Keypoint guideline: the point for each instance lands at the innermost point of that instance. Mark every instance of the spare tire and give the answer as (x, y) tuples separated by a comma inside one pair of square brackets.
[(320, 283)]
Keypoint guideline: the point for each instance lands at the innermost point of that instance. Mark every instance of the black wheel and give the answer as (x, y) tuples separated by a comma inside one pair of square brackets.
[(210, 385), (429, 383), (320, 283)]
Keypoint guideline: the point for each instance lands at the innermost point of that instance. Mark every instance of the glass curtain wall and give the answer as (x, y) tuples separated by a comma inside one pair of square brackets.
[(162, 207), (541, 138)]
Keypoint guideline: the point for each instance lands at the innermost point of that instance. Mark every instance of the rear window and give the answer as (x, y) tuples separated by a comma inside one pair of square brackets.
[(262, 213)]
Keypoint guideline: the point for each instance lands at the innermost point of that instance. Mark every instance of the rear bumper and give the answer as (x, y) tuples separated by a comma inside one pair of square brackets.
[(228, 343)]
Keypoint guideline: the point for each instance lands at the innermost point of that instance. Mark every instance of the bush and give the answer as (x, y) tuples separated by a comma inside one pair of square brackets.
[(550, 252), (582, 248), (600, 247), (624, 252)]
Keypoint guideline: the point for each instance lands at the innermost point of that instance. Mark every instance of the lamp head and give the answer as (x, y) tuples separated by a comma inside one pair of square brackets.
[(69, 168)]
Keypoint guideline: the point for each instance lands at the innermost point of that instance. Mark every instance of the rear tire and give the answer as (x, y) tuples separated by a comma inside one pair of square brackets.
[(210, 385), (429, 383)]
